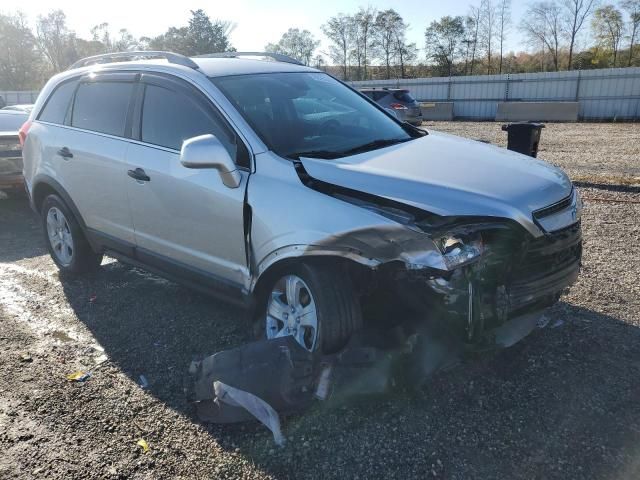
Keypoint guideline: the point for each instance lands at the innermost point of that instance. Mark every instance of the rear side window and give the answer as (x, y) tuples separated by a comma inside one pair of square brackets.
[(55, 110), (403, 96), (170, 117), (102, 107)]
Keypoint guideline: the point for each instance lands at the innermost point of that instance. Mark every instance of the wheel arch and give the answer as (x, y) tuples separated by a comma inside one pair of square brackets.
[(43, 186), (278, 262)]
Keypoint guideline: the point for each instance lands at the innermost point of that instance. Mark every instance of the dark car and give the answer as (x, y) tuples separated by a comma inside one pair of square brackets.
[(406, 108), (10, 149)]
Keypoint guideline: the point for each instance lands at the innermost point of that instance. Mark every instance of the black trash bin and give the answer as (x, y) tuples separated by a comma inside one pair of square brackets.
[(524, 137)]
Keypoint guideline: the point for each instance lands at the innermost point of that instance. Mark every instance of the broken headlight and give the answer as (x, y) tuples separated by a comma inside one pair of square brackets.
[(459, 250)]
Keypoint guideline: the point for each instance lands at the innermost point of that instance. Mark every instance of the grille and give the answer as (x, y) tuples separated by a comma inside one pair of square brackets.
[(550, 253), (551, 209)]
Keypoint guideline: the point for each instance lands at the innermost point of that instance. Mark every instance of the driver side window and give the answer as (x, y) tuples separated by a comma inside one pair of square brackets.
[(170, 117)]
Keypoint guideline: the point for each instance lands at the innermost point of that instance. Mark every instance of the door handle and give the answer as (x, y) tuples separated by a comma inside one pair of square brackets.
[(139, 174), (64, 152)]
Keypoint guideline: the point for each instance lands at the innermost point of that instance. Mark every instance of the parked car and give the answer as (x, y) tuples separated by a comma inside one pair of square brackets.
[(24, 108), (282, 189), (399, 100), (10, 150)]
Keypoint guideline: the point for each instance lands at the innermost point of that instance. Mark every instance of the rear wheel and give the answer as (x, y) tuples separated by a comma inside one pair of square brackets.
[(66, 242), (314, 303)]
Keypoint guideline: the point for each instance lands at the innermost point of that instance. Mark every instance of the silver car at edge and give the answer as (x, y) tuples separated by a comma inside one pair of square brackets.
[(282, 189)]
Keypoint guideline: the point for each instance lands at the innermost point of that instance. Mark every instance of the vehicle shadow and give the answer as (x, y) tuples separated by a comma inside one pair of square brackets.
[(20, 230), (563, 403)]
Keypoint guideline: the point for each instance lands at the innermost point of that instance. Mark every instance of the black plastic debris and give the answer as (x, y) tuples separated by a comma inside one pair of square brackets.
[(524, 137), (279, 371), (268, 378)]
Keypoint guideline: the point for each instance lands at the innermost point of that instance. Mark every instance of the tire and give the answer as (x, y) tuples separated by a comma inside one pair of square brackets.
[(330, 289), (65, 240)]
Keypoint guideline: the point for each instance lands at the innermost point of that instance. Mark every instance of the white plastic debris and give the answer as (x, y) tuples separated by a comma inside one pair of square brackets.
[(144, 383), (254, 405), (322, 390)]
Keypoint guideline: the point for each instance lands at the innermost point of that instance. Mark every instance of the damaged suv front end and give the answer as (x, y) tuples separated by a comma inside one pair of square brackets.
[(476, 240)]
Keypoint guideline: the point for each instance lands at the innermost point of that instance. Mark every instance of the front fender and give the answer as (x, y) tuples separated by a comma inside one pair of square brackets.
[(291, 220)]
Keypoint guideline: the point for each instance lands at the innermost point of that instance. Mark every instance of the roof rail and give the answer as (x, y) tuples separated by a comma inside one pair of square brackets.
[(279, 57), (113, 57)]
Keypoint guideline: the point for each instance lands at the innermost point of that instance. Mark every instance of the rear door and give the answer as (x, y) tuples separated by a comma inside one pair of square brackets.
[(184, 218), (93, 150)]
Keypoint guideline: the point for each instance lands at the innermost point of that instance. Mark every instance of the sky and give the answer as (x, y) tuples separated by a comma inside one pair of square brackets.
[(257, 22)]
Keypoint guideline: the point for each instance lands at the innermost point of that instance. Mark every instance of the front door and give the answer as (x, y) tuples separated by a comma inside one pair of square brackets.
[(185, 217)]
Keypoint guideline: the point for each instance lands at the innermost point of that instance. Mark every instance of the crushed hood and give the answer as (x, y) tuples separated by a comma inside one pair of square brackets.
[(451, 176)]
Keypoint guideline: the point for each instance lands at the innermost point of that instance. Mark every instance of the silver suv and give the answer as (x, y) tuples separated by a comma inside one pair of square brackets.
[(282, 189)]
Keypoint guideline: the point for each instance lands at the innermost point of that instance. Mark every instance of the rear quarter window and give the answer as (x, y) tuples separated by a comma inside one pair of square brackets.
[(102, 107), (57, 106), (403, 97)]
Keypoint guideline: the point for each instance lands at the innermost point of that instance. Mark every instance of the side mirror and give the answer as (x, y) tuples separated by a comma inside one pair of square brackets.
[(206, 151)]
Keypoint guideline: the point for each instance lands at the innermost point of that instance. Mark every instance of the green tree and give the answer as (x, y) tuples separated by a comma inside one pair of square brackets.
[(56, 41), (608, 28), (200, 36), (296, 43), (20, 62), (444, 41)]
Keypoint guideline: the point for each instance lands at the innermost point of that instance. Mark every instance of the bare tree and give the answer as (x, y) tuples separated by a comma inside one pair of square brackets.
[(575, 13), (504, 22), (633, 9), (407, 52), (299, 44), (339, 30), (364, 21), (387, 27), (488, 29), (472, 25), (608, 27), (542, 25), (121, 42)]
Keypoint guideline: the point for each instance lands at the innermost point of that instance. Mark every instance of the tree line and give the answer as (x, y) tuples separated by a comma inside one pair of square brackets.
[(365, 44), (28, 57), (552, 29)]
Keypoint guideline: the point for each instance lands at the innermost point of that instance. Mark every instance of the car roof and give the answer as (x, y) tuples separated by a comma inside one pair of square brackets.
[(212, 67), (218, 67)]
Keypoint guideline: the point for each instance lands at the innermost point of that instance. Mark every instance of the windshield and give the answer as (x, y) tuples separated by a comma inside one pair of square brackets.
[(309, 114)]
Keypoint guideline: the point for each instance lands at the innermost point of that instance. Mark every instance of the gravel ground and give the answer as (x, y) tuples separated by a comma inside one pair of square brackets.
[(588, 152), (564, 403)]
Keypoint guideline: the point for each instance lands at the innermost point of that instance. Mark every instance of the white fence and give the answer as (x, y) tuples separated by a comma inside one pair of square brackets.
[(13, 97), (608, 94)]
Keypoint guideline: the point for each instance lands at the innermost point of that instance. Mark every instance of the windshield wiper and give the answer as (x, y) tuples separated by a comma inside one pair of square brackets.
[(376, 144), (326, 154)]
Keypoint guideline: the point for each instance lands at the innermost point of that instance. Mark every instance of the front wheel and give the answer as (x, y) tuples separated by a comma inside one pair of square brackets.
[(66, 242), (314, 303)]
